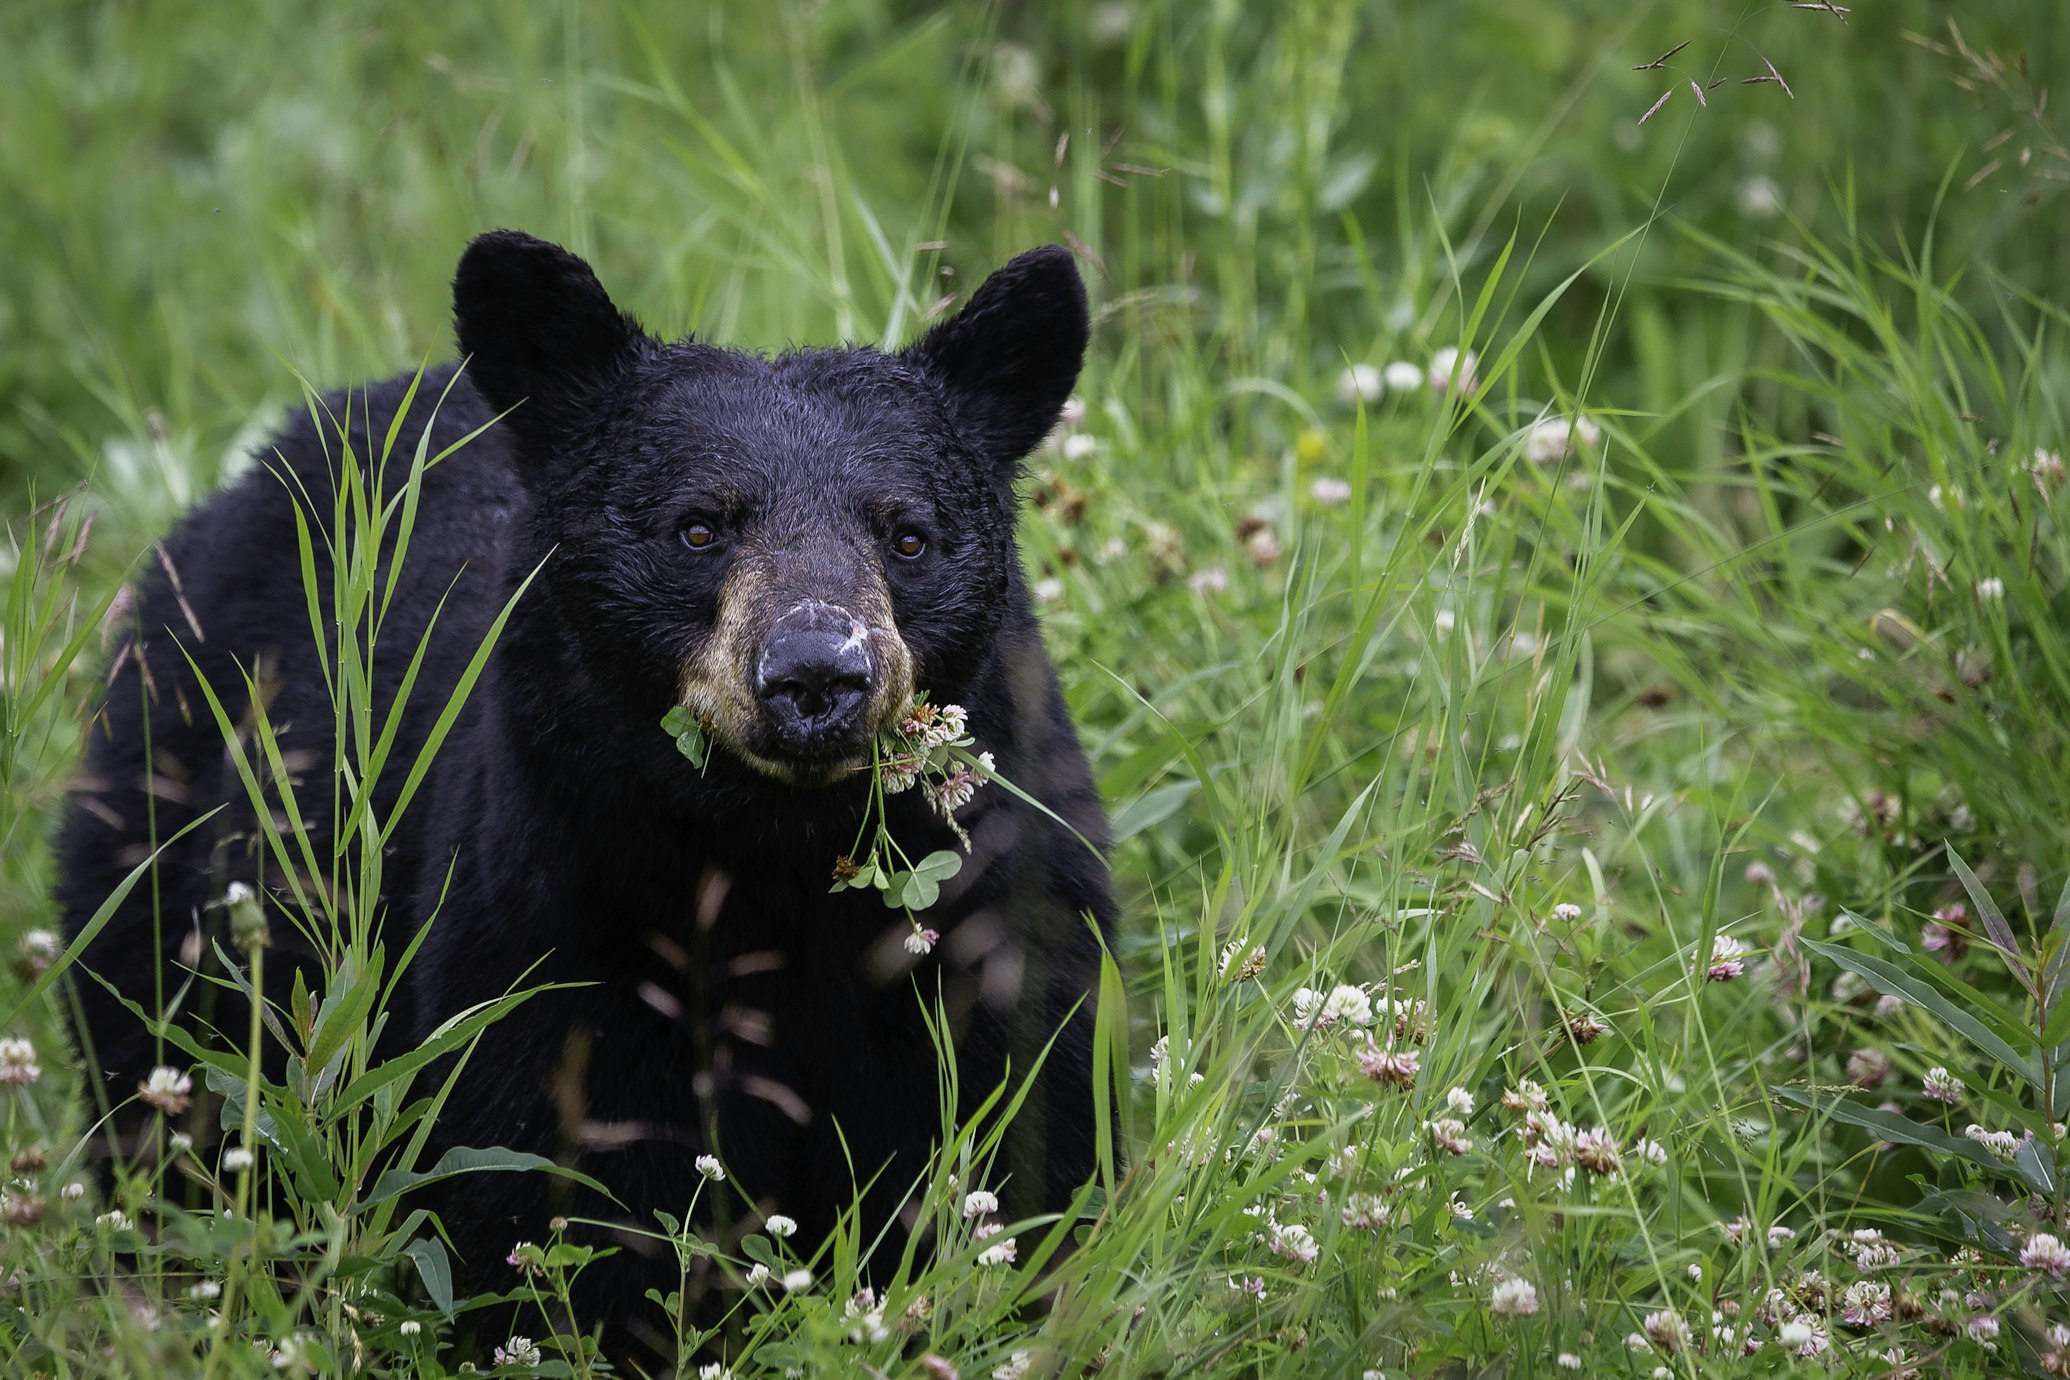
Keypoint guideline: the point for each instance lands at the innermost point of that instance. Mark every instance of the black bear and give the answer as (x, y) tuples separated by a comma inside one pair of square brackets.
[(789, 549)]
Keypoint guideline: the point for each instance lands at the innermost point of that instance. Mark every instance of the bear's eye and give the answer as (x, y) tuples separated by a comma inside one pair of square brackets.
[(909, 544), (698, 535)]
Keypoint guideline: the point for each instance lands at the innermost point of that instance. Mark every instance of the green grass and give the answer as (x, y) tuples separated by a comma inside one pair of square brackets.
[(1778, 658)]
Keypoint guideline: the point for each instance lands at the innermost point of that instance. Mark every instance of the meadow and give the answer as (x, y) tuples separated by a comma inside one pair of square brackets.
[(1562, 587)]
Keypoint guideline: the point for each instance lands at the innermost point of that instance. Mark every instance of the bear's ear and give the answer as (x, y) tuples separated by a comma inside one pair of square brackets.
[(1010, 357), (537, 330)]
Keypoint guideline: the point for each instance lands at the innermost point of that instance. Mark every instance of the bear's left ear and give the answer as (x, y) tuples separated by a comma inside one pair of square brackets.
[(539, 333), (1011, 356)]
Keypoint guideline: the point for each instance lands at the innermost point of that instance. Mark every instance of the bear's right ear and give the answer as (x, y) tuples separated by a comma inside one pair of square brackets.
[(538, 331)]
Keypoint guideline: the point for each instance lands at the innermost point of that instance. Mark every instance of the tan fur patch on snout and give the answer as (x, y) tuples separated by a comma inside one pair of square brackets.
[(719, 682)]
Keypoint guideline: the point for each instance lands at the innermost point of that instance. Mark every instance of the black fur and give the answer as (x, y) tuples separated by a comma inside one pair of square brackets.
[(738, 1006)]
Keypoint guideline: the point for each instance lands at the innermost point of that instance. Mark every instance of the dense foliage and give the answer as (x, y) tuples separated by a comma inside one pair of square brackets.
[(1566, 611)]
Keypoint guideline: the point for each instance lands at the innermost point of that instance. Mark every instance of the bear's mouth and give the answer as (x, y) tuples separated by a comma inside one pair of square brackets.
[(808, 771)]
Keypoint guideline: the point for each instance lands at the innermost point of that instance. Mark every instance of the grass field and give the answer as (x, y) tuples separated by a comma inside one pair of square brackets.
[(1591, 804)]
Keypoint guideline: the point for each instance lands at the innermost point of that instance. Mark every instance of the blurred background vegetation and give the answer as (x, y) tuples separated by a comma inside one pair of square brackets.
[(190, 203)]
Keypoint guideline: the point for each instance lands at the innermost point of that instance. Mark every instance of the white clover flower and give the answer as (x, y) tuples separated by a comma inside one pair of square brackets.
[(1449, 1134), (2003, 1144), (1758, 198), (18, 1062), (714, 1371), (38, 949), (980, 1202), (1866, 1303), (1016, 1367), (757, 1275), (1348, 1004), (1793, 1334), (797, 1281), (1667, 1330), (1213, 580), (518, 1351), (1293, 1241), (1990, 588), (1567, 1360), (72, 1192), (1728, 959), (1359, 383), (1402, 376), (1941, 1085), (2047, 1254), (1330, 491), (1871, 1251), (1651, 1151), (900, 772), (1448, 360), (203, 1291), (1982, 1328), (1238, 966), (780, 1226), (236, 1158), (1392, 1068), (953, 791), (1596, 1151), (1365, 1210), (1779, 1235), (167, 1089), (1459, 1100), (1000, 1252), (1550, 438), (114, 1220), (2046, 470), (920, 941), (1566, 910), (709, 1166), (1078, 445), (1526, 1096), (1514, 1297)]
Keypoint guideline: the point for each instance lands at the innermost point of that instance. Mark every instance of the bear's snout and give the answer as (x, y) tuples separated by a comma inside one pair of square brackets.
[(814, 676)]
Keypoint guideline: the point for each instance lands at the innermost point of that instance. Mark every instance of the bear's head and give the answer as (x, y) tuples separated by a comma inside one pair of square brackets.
[(791, 547)]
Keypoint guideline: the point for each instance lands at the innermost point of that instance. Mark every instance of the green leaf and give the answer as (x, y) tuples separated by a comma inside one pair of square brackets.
[(343, 1013), (101, 915), (688, 731), (1151, 809), (428, 1254), (449, 1037), (1978, 1216), (1995, 927), (758, 1249), (1889, 978), (940, 865), (2037, 1165), (463, 1159), (1894, 1127)]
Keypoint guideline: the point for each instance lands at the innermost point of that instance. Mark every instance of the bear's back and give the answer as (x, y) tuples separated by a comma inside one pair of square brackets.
[(226, 589)]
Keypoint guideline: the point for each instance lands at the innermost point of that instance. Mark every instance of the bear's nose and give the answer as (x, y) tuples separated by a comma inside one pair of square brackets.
[(812, 682)]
